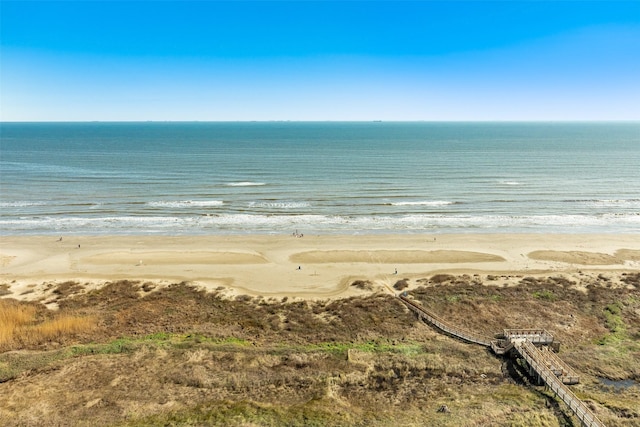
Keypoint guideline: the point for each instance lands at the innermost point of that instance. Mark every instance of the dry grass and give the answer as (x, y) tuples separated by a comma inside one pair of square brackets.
[(13, 317), (181, 356), (21, 325)]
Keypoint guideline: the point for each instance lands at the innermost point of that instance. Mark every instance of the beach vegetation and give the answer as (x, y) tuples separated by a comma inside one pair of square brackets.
[(401, 284), (233, 413), (544, 295), (67, 288), (224, 361), (118, 346), (632, 279), (442, 278), (26, 325), (452, 298), (496, 297), (614, 322), (364, 285), (4, 290)]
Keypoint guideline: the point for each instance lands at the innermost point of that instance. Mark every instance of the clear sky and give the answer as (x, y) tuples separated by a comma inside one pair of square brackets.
[(305, 60)]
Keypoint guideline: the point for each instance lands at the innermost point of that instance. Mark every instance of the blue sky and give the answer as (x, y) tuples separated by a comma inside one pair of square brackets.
[(305, 60)]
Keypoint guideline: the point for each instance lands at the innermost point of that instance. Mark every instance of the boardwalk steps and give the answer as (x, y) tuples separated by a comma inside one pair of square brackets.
[(559, 367), (532, 356), (543, 363)]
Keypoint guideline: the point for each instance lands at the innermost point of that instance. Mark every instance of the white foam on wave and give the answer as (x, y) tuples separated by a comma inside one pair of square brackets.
[(423, 203), (510, 183), (186, 203), (245, 184), (279, 205), (20, 204), (248, 221), (614, 203), (268, 223)]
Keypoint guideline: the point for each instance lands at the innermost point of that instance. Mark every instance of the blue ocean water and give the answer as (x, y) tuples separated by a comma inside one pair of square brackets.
[(322, 178)]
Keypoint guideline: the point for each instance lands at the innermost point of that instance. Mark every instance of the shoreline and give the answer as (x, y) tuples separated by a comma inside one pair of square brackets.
[(308, 267)]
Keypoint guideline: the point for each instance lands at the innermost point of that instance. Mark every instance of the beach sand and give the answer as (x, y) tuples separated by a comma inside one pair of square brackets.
[(304, 267)]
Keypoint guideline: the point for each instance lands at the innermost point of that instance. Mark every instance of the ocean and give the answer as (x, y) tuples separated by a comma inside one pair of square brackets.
[(318, 178)]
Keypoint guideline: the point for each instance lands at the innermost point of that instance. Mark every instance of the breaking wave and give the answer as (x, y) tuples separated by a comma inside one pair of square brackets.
[(186, 204), (245, 184)]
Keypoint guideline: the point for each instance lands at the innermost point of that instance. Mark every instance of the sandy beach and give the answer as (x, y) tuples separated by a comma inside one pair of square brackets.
[(305, 267)]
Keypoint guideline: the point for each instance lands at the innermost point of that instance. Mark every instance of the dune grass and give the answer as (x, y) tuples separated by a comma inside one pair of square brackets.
[(13, 317), (21, 326), (178, 356)]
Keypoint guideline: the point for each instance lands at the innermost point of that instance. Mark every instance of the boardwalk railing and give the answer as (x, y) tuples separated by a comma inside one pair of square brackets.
[(443, 325), (535, 359), (536, 336), (501, 347), (559, 367), (549, 368)]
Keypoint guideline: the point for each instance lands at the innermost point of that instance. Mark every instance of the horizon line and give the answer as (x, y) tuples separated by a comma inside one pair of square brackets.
[(334, 121)]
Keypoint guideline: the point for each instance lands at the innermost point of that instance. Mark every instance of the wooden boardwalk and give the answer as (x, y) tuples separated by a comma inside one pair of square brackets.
[(528, 344), (443, 325), (535, 360)]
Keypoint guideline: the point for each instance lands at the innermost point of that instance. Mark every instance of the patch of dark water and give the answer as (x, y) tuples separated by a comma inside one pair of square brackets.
[(618, 384)]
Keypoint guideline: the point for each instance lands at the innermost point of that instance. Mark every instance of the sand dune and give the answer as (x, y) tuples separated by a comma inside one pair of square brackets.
[(587, 258), (628, 254), (173, 258), (576, 257), (393, 257)]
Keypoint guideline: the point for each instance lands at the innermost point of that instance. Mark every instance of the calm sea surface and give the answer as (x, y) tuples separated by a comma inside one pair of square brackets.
[(319, 178)]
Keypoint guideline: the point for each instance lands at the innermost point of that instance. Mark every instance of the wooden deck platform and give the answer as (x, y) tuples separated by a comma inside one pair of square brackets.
[(532, 345)]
